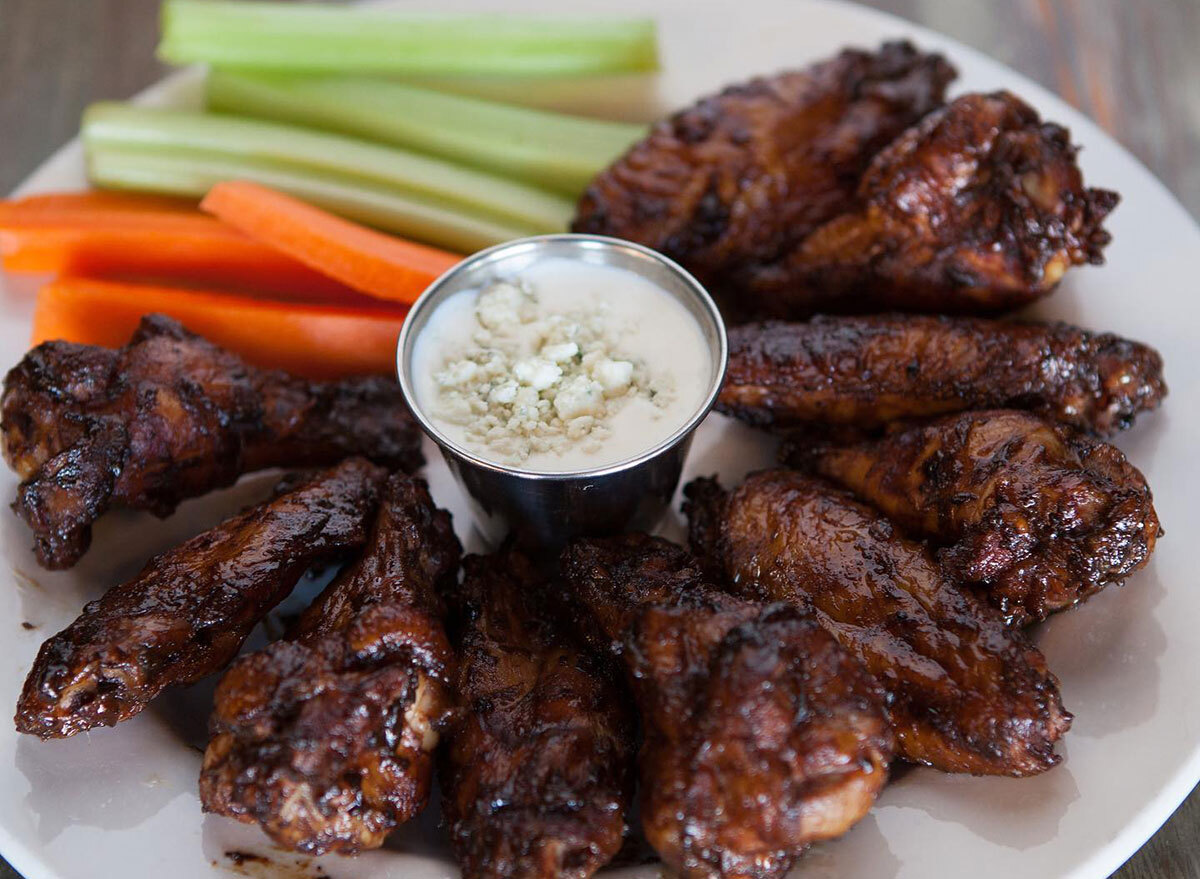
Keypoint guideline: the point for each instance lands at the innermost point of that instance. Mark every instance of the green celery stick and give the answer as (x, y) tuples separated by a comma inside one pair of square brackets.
[(624, 97), (324, 38), (180, 172), (548, 149), (110, 125)]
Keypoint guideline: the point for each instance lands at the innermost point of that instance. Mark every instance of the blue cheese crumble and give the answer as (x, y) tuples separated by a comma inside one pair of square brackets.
[(538, 381)]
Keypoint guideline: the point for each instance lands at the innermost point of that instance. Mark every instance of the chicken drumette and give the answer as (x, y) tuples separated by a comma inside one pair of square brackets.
[(1034, 515), (172, 416), (761, 735), (980, 208), (966, 692), (326, 739)]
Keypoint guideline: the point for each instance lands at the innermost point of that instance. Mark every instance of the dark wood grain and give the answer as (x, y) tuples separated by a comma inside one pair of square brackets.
[(1131, 66), (56, 57)]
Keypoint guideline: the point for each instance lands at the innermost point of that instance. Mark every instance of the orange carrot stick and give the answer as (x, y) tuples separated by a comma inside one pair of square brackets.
[(201, 251), (148, 238), (313, 340), (369, 261), (58, 204), (57, 212)]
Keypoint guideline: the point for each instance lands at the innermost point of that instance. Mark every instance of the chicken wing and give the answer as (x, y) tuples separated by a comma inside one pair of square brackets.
[(979, 208), (864, 372), (850, 187), (189, 610), (1036, 516), (761, 734), (966, 692), (731, 186), (172, 416), (537, 777), (326, 739)]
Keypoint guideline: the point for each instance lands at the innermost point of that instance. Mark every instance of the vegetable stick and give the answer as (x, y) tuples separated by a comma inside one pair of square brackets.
[(184, 173), (554, 150), (134, 237), (212, 255), (318, 341), (165, 132), (54, 207), (269, 36), (623, 97), (363, 259)]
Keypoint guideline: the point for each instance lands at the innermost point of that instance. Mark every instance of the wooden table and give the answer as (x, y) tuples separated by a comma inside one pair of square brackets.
[(1130, 66)]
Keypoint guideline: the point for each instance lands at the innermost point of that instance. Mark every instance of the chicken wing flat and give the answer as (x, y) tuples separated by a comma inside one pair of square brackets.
[(189, 610), (1035, 515), (730, 186), (979, 208), (326, 739), (172, 416), (761, 735), (538, 775), (864, 372), (966, 692)]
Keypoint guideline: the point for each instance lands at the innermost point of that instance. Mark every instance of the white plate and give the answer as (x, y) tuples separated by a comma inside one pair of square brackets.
[(123, 801)]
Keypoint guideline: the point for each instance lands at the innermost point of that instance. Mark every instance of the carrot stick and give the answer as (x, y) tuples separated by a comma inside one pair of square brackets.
[(319, 341), (50, 212), (57, 204), (204, 252), (147, 238), (369, 261)]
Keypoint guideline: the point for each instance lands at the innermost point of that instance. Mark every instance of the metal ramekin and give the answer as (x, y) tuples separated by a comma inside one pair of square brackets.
[(548, 509)]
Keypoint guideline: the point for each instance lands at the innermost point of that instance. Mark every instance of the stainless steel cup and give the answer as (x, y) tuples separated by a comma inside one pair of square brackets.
[(547, 509)]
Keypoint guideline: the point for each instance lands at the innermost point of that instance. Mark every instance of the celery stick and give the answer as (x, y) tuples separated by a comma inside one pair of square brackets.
[(624, 97), (315, 37), (549, 149), (180, 172), (299, 149)]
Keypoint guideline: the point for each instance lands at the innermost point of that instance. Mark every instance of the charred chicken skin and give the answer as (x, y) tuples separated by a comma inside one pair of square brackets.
[(730, 186), (966, 692), (168, 417), (761, 735), (189, 610), (538, 774), (851, 187), (326, 739), (980, 208), (864, 372), (1035, 515)]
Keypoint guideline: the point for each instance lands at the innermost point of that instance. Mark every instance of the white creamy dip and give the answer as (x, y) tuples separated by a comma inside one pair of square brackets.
[(569, 366)]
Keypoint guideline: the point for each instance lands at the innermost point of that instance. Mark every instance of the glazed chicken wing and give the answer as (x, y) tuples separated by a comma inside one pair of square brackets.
[(189, 610), (980, 208), (730, 186), (538, 774), (761, 735), (172, 416), (966, 692), (864, 372), (1036, 516), (850, 187), (326, 739)]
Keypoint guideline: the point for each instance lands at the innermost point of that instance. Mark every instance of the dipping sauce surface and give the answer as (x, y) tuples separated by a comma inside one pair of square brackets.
[(568, 366)]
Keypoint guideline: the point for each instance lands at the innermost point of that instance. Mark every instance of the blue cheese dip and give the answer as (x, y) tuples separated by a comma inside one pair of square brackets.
[(570, 366)]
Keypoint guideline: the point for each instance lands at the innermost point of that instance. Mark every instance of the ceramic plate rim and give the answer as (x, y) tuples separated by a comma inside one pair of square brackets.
[(1102, 861)]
